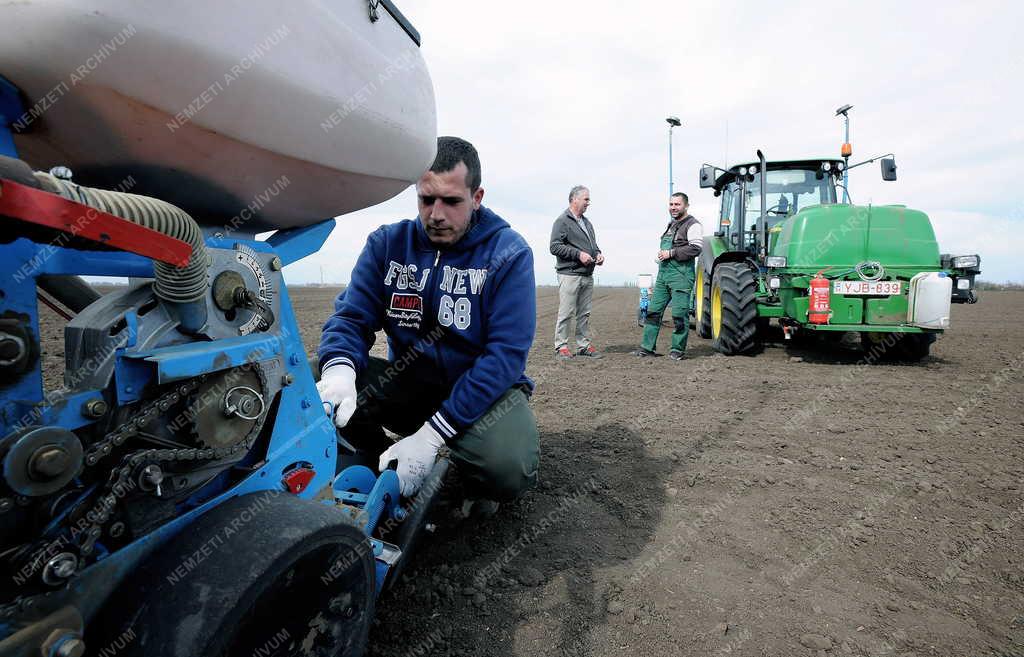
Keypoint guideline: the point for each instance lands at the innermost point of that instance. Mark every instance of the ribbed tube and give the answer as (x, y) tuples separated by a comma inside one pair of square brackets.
[(174, 284)]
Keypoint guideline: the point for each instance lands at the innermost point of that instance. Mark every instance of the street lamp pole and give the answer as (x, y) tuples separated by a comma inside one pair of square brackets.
[(673, 122), (847, 150)]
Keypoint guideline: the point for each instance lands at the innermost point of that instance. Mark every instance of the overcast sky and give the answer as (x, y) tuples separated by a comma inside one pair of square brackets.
[(555, 94)]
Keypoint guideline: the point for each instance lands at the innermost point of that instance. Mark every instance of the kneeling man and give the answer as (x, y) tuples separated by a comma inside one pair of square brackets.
[(454, 292)]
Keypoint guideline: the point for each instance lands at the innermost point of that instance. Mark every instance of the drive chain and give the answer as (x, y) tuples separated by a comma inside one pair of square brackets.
[(120, 480)]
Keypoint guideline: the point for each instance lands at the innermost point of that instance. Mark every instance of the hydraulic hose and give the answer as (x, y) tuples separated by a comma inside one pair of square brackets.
[(180, 285)]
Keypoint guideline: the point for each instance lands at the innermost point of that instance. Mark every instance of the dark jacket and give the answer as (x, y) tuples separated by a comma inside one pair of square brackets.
[(683, 249), (567, 240), (461, 318)]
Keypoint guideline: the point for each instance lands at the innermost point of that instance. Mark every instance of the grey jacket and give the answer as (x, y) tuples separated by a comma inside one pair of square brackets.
[(567, 240)]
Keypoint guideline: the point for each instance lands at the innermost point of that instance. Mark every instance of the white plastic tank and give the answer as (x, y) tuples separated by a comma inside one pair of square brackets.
[(930, 300), (268, 114)]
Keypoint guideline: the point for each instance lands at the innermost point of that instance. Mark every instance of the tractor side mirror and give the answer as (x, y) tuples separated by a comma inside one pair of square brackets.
[(707, 176), (888, 168)]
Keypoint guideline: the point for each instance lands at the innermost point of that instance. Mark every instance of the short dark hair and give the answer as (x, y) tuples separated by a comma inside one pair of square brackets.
[(686, 199), (451, 151)]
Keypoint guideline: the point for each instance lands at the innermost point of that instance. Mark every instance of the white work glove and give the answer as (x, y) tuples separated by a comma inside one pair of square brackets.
[(337, 388), (415, 455)]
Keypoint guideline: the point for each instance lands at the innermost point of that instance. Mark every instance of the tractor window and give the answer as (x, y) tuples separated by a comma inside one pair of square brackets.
[(788, 192), (729, 198), (731, 209)]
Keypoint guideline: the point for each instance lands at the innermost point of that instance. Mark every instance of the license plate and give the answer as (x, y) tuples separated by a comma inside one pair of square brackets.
[(865, 288)]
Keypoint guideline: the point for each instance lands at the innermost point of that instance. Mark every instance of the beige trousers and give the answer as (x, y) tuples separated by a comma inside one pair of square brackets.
[(575, 296)]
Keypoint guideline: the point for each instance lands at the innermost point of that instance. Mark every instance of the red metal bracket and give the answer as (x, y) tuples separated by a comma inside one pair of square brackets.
[(45, 209), (298, 479)]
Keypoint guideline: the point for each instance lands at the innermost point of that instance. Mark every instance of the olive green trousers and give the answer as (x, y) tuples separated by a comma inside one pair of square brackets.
[(497, 457), (674, 285)]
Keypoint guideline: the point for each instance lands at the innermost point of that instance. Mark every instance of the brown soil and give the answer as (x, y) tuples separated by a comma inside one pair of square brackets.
[(799, 502), (794, 502)]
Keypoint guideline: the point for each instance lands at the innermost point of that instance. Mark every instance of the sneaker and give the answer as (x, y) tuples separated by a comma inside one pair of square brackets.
[(563, 353), (676, 355), (589, 352), (645, 353)]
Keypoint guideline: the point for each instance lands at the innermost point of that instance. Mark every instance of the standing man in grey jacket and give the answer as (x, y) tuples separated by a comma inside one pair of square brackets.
[(574, 246)]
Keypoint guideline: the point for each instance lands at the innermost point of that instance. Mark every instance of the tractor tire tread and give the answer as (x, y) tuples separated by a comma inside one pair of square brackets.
[(704, 321), (738, 287)]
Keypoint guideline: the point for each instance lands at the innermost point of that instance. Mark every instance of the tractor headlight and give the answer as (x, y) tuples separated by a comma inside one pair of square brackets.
[(742, 171), (774, 282), (775, 261), (963, 283), (826, 166), (752, 170), (966, 262), (840, 166)]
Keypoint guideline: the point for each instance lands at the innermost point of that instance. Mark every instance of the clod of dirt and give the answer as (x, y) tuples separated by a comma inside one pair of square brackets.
[(615, 607), (815, 642), (671, 492), (796, 359), (530, 576)]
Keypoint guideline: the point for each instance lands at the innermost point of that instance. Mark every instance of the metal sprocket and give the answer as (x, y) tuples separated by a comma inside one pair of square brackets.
[(229, 407)]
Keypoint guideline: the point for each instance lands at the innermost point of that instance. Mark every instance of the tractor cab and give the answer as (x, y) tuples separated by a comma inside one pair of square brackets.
[(790, 186), (751, 213)]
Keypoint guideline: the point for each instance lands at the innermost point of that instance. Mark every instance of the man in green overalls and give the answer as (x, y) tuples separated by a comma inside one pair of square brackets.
[(680, 245)]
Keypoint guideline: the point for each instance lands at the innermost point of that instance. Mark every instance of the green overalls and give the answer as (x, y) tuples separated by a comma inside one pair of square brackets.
[(675, 284)]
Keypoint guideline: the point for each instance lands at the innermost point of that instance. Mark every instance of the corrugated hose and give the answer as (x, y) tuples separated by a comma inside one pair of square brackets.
[(174, 284)]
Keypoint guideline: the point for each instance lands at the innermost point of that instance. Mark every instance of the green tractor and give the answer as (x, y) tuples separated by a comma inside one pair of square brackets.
[(787, 249)]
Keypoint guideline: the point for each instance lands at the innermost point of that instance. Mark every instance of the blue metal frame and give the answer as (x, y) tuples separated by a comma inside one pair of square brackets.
[(302, 432), (294, 245), (21, 262), (11, 109), (376, 498)]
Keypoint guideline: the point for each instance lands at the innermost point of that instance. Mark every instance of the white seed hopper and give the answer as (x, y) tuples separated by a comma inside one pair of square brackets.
[(298, 111)]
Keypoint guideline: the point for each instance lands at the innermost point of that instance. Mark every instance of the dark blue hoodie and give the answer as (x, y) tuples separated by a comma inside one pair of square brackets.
[(461, 317)]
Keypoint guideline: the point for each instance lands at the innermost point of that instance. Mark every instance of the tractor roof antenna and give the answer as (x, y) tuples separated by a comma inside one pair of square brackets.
[(673, 122), (847, 150)]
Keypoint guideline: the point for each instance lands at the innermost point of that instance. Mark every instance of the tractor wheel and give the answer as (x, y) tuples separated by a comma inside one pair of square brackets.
[(734, 309), (896, 347), (263, 574), (702, 307)]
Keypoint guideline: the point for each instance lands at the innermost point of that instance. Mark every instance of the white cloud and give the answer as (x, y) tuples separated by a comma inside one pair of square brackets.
[(555, 94)]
